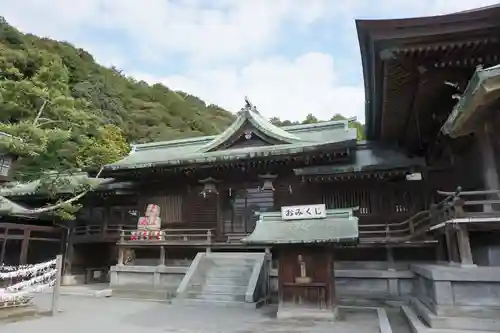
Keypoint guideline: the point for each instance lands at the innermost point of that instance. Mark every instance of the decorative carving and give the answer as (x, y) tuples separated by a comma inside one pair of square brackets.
[(249, 106), (248, 135), (129, 257), (267, 181), (209, 186)]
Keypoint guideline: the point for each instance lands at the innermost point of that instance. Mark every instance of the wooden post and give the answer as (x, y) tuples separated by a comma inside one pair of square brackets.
[(209, 241), (464, 246), (121, 255), (4, 245), (23, 257), (69, 252), (451, 244), (162, 256), (269, 266), (57, 286), (390, 258)]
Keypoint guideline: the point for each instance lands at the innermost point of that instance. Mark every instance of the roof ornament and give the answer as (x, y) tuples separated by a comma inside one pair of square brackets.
[(249, 106)]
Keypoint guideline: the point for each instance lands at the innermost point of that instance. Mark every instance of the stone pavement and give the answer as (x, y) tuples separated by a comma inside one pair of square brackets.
[(85, 314)]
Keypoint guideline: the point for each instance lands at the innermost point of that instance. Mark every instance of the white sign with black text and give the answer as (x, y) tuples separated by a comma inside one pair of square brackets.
[(303, 212)]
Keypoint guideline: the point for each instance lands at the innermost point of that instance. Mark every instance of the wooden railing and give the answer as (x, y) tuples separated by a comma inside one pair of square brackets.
[(476, 203), (98, 232), (172, 236), (412, 227)]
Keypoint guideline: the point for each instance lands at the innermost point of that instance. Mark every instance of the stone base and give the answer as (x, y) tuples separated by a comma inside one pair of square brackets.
[(459, 298), (295, 312), (73, 279)]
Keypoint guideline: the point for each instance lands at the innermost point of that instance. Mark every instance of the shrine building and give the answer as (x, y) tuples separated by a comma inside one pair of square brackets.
[(308, 217)]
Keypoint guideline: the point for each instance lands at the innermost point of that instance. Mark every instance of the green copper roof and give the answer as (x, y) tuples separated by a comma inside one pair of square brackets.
[(250, 115), (338, 226), (483, 87), (71, 183), (8, 207), (292, 139), (369, 156)]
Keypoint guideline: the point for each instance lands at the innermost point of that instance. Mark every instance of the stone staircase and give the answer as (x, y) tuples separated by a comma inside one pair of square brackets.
[(224, 279)]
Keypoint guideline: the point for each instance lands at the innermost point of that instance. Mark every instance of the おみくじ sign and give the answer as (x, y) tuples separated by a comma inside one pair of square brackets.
[(303, 212)]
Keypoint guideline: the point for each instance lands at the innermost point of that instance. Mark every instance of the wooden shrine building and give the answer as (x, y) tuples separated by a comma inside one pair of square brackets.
[(424, 187)]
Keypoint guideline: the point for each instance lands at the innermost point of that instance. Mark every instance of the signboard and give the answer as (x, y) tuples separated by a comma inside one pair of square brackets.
[(303, 212)]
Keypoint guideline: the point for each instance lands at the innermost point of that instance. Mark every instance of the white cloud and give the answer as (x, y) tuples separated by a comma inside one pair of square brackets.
[(277, 86), (210, 34)]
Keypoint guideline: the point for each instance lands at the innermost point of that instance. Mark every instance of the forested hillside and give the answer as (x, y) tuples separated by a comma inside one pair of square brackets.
[(70, 112)]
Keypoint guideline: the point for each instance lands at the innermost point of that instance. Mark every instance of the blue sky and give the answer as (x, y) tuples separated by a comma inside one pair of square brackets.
[(291, 57)]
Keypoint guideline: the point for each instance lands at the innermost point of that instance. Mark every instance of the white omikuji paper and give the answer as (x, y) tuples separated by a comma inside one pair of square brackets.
[(40, 276), (26, 270)]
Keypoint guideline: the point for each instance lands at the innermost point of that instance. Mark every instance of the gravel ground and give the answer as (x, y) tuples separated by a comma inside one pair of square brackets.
[(81, 314)]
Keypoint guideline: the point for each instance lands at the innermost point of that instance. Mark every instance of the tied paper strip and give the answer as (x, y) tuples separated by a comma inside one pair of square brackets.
[(33, 281), (9, 297), (41, 276), (26, 270)]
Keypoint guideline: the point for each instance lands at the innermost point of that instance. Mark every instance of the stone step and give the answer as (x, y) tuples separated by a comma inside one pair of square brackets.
[(462, 321), (216, 296), (228, 273), (234, 281), (147, 294), (225, 265), (418, 326), (231, 289), (203, 302)]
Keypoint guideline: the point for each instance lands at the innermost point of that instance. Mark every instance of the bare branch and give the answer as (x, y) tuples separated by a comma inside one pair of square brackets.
[(39, 114)]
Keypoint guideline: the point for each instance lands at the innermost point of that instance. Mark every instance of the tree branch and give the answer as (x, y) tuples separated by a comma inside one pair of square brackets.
[(59, 205), (39, 114)]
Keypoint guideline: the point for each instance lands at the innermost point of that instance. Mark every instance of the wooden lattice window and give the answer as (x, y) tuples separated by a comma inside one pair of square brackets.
[(348, 198), (170, 208)]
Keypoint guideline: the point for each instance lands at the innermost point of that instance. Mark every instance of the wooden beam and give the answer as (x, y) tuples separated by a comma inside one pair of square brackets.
[(21, 237), (15, 226)]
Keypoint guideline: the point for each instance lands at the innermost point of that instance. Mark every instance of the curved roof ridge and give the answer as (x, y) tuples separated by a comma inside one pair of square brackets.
[(249, 113)]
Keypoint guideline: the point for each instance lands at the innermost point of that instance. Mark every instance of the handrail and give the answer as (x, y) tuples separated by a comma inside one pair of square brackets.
[(467, 198), (415, 225)]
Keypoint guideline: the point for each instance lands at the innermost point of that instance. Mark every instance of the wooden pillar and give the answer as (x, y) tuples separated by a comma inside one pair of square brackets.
[(162, 256), (23, 257), (490, 170), (390, 258), (219, 223), (440, 253), (69, 253), (451, 244), (121, 255), (4, 245), (332, 297), (464, 246)]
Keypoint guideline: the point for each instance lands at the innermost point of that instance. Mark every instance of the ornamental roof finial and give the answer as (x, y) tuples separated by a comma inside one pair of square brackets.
[(249, 106)]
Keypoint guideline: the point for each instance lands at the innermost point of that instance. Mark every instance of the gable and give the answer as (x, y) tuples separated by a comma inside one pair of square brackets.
[(252, 127)]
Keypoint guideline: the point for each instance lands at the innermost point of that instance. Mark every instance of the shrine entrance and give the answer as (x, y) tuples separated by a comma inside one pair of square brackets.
[(306, 277)]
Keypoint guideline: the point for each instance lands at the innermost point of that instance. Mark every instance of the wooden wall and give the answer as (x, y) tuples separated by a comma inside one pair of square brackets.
[(233, 209)]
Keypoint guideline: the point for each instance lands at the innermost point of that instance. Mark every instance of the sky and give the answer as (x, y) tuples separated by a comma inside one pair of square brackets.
[(290, 57)]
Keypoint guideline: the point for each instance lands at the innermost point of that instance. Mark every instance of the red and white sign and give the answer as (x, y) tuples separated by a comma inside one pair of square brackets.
[(146, 235)]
